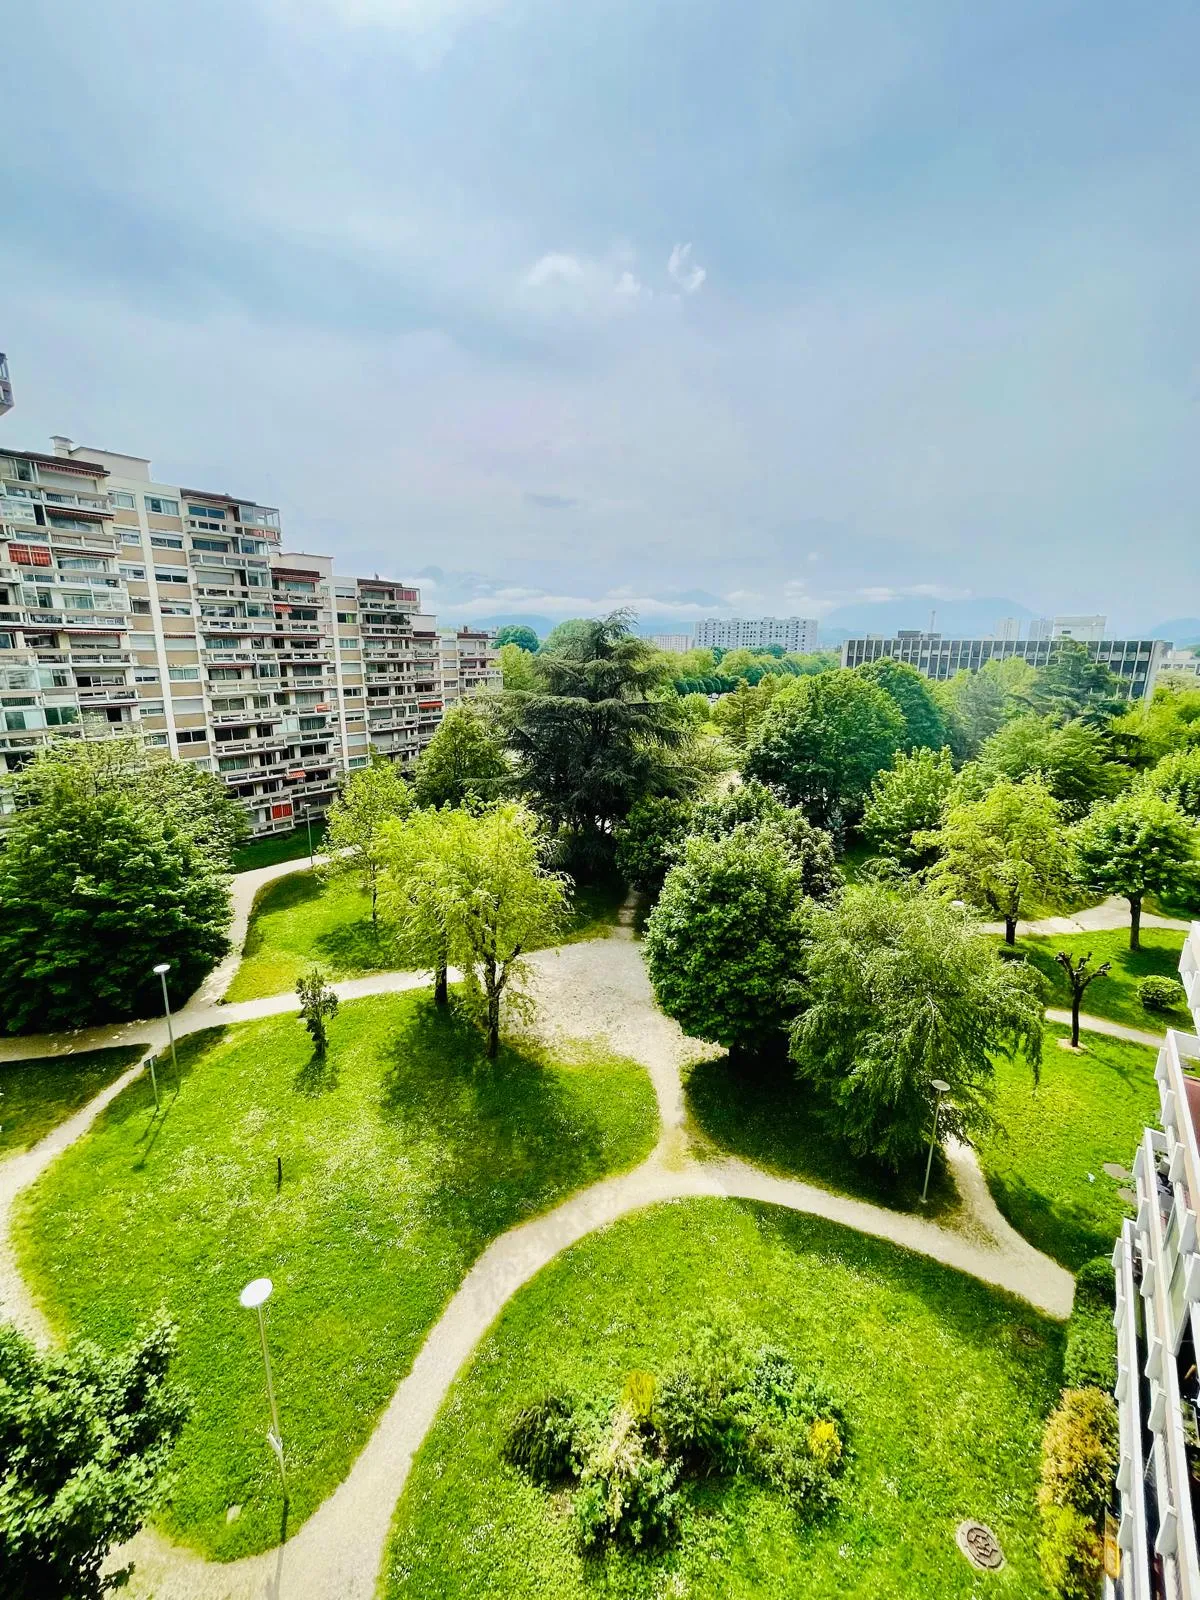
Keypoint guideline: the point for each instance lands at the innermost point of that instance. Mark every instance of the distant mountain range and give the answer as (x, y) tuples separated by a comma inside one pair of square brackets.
[(1180, 630)]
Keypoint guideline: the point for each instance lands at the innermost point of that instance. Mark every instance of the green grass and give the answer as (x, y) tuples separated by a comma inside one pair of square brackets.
[(35, 1096), (946, 1383), (306, 918), (1088, 1109), (277, 847), (1114, 996), (764, 1115), (403, 1155)]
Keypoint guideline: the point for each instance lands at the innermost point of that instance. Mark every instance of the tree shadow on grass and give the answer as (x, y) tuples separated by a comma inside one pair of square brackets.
[(355, 947), (284, 894), (318, 1076), (1057, 1226), (987, 1318), (758, 1109), (508, 1136)]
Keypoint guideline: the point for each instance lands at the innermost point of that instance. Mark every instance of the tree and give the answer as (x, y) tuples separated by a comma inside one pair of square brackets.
[(924, 724), (353, 829), (318, 1003), (822, 741), (600, 732), (908, 798), (1080, 980), (739, 714), (723, 942), (1152, 729), (516, 633), (977, 703), (997, 851), (516, 667), (84, 1441), (1072, 757), (1075, 684), (498, 900), (1177, 777), (649, 838), (900, 990), (464, 761), (568, 636), (104, 874), (1136, 845), (410, 893), (753, 803)]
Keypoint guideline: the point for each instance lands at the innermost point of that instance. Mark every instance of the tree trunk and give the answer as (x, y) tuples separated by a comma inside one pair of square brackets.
[(441, 986), (1076, 997), (1010, 930), (374, 899), (1135, 922), (493, 1024)]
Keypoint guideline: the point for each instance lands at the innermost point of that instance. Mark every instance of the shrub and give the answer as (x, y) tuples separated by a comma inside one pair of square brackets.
[(650, 838), (627, 1491), (1161, 994), (545, 1441), (1071, 1551), (1079, 1452)]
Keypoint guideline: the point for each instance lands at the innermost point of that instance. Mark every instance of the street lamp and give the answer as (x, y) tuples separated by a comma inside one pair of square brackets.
[(253, 1297), (162, 969), (942, 1088), (308, 825)]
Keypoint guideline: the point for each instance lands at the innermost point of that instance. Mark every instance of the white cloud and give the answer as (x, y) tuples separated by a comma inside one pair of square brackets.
[(683, 270), (586, 285), (556, 267)]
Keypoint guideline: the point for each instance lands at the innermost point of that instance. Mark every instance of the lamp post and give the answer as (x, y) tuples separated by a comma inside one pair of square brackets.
[(308, 825), (942, 1088), (162, 969), (253, 1297)]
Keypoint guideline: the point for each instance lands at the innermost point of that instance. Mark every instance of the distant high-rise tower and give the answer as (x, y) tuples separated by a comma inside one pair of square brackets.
[(6, 399)]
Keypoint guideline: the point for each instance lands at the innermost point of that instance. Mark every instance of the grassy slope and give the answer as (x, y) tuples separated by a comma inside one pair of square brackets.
[(305, 918), (1088, 1109), (764, 1115), (277, 847), (946, 1383), (36, 1096), (402, 1157), (1115, 995)]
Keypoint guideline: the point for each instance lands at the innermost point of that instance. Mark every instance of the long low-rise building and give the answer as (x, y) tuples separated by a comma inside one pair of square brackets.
[(129, 606), (1136, 662), (1157, 1320)]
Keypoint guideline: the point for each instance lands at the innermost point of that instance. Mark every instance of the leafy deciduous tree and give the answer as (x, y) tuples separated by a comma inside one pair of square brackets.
[(516, 633), (924, 723), (516, 667), (84, 1440), (753, 803), (723, 942), (908, 798), (977, 703), (649, 838), (997, 851), (1072, 757), (899, 990), (353, 829), (1177, 777), (318, 1004), (464, 761), (1136, 845), (739, 714), (823, 740), (410, 893)]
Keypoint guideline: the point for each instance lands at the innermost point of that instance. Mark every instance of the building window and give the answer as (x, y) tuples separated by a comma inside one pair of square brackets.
[(23, 555), (170, 610), (141, 608), (220, 545), (121, 501), (145, 675), (137, 573), (61, 716), (183, 674), (155, 738), (206, 511), (78, 602), (160, 505), (170, 575), (192, 735), (164, 541)]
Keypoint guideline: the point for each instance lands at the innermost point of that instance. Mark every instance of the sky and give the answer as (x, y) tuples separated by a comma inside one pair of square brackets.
[(783, 306)]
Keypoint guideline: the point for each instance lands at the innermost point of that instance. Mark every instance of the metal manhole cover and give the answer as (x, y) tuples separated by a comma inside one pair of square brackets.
[(980, 1546)]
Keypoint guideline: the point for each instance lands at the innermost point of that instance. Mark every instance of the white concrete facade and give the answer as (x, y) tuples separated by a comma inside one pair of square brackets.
[(1136, 662), (798, 634)]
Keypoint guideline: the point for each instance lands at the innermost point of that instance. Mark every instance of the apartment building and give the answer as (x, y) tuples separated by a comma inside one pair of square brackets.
[(1136, 662), (6, 393), (797, 634), (1157, 1320), (203, 635), (470, 663), (675, 644)]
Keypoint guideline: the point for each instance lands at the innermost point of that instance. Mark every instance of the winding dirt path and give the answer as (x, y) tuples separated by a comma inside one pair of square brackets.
[(597, 989)]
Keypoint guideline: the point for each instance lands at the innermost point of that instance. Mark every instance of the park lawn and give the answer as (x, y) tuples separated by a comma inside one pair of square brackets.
[(403, 1155), (277, 847), (307, 918), (35, 1096), (1114, 996), (946, 1384), (762, 1113), (1087, 1109)]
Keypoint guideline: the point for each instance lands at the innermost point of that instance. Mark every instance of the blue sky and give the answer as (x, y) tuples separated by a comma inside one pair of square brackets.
[(782, 305)]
